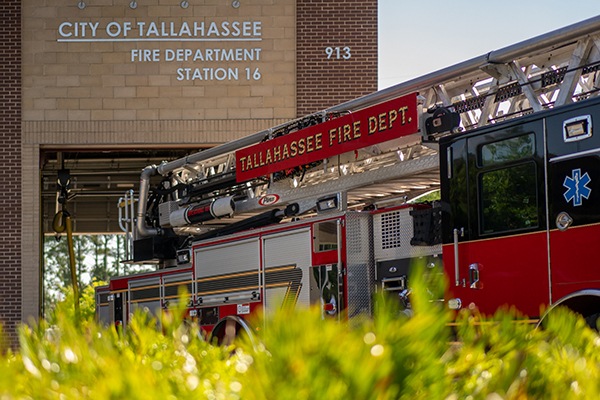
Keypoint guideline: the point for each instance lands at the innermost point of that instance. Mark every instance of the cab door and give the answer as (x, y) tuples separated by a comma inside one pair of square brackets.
[(503, 257), (454, 169), (574, 196)]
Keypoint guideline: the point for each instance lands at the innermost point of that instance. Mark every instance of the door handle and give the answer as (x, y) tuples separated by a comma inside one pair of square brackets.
[(474, 282), (563, 221)]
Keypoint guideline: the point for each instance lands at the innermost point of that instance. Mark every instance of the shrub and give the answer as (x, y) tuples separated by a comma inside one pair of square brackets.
[(302, 356)]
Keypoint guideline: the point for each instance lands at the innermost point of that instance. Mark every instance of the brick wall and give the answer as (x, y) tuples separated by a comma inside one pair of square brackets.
[(321, 81), (10, 179)]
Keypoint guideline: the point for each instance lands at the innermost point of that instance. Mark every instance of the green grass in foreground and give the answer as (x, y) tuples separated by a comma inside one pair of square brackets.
[(301, 356)]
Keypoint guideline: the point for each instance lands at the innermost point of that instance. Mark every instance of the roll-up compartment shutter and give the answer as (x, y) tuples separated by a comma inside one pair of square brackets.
[(287, 259), (228, 272), (145, 293), (172, 284), (102, 304)]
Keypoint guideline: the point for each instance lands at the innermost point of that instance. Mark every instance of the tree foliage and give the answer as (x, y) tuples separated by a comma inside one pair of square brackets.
[(97, 259), (57, 271)]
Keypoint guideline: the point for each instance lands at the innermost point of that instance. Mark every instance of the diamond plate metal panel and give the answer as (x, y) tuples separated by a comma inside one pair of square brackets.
[(360, 268), (349, 182), (392, 232)]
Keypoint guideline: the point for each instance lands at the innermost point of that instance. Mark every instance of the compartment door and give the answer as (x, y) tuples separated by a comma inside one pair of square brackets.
[(172, 283), (145, 293), (286, 263), (228, 273)]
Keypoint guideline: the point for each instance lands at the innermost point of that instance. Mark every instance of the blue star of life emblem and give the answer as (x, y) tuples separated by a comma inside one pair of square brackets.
[(577, 189)]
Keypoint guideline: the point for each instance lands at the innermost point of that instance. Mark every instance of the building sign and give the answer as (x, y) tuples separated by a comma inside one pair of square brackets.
[(262, 62), (169, 60), (138, 31), (185, 33), (363, 128)]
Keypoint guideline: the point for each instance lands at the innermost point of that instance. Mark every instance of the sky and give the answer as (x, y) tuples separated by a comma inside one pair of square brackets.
[(418, 37)]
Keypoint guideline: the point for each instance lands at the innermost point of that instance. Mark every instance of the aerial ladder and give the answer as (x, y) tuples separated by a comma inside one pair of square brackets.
[(541, 73)]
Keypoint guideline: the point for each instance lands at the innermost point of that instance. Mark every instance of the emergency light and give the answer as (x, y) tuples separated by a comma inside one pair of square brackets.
[(327, 204), (577, 128)]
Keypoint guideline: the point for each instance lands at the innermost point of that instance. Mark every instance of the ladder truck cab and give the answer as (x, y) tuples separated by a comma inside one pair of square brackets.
[(324, 211), (521, 212)]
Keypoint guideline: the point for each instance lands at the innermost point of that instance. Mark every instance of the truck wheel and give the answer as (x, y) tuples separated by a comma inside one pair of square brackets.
[(592, 321)]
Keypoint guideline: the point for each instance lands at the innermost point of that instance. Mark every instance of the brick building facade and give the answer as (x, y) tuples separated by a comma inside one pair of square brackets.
[(10, 154), (112, 76), (349, 29)]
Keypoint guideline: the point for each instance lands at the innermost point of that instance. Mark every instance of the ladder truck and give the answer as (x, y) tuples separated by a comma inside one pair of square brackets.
[(321, 210)]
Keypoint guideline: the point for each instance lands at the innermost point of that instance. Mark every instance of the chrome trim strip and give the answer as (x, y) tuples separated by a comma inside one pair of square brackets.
[(340, 268), (574, 155), (456, 257), (547, 195)]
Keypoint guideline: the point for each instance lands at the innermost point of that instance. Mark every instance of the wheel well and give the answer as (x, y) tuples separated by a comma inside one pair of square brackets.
[(229, 328), (584, 302)]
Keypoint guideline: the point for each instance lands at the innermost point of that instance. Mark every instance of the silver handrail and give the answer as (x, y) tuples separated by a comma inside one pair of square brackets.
[(127, 220), (456, 279)]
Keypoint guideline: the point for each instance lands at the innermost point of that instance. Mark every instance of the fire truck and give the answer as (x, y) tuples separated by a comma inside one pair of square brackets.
[(324, 210)]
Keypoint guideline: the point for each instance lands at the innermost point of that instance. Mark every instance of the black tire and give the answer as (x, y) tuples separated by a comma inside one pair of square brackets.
[(592, 321)]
